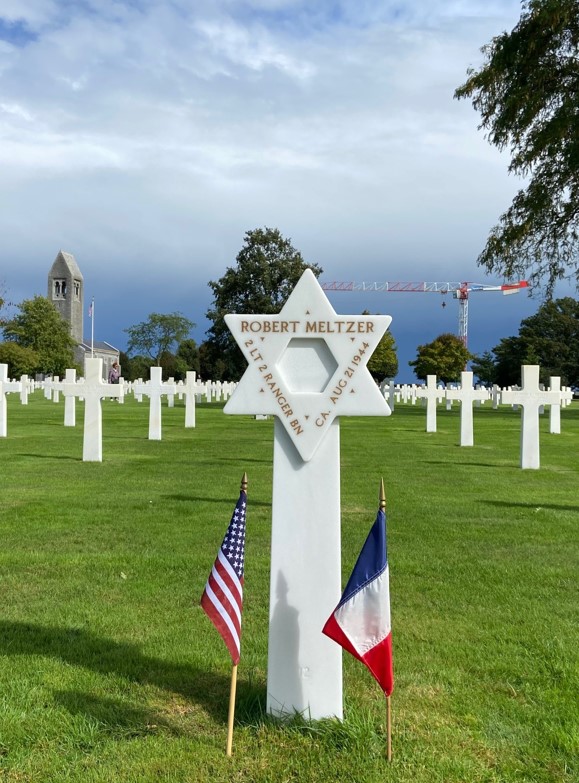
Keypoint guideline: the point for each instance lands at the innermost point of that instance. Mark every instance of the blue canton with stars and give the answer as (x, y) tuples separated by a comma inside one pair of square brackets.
[(233, 546)]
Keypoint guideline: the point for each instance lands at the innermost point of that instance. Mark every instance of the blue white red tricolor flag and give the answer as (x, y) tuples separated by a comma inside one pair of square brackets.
[(361, 621), (222, 598)]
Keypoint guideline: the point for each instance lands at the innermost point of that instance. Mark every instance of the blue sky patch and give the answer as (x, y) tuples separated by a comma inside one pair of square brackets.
[(15, 33)]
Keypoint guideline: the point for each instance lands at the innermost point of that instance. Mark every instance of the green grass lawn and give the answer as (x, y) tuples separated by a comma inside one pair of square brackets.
[(110, 671)]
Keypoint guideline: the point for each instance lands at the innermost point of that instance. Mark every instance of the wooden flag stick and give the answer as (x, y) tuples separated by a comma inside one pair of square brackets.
[(388, 708), (233, 689), (231, 710), (389, 728)]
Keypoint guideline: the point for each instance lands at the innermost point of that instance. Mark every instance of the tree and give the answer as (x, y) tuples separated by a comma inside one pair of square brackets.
[(125, 364), (211, 364), (139, 367), (188, 353), (384, 362), (526, 93), (158, 334), (40, 326), (549, 338), (445, 357), (484, 368), (510, 354), (20, 360), (268, 267), (2, 303)]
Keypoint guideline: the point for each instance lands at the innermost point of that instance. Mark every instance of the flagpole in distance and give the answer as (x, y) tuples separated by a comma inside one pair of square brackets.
[(233, 688), (389, 708)]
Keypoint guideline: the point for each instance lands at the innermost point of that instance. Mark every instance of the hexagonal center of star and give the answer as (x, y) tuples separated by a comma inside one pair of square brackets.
[(307, 365)]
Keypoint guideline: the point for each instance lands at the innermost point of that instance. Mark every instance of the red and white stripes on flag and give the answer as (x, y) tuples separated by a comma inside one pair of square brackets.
[(222, 599)]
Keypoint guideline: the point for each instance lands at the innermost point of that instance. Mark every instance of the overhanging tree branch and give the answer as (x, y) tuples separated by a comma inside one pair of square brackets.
[(527, 93)]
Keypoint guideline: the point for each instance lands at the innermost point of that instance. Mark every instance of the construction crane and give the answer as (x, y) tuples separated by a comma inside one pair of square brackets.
[(460, 291)]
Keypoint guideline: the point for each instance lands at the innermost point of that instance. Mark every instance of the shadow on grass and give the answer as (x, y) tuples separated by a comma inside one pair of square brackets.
[(534, 506), (197, 499), (114, 716), (81, 648), (465, 464), (238, 460), (50, 456)]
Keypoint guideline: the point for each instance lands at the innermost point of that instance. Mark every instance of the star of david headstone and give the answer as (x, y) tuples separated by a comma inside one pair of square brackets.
[(307, 365)]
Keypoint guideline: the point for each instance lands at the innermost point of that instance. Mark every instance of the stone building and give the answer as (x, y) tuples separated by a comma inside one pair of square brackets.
[(66, 292)]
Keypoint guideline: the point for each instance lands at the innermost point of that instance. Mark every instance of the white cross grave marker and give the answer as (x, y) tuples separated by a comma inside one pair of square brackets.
[(555, 409), (69, 400), (56, 388), (154, 390), (25, 389), (191, 388), (530, 397), (466, 395), (92, 391), (171, 394), (48, 388), (123, 388), (306, 367), (430, 393), (6, 387), (566, 397)]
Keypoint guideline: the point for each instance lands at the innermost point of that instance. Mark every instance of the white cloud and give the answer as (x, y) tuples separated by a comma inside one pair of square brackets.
[(132, 131), (35, 14)]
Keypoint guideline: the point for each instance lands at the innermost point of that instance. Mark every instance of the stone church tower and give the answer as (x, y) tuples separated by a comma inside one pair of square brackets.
[(66, 292)]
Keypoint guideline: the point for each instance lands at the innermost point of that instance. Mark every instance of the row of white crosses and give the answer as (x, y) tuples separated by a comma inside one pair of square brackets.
[(530, 397), (92, 389)]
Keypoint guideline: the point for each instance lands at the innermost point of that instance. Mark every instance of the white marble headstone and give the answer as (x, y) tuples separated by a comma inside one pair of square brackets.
[(6, 387), (93, 390), (466, 395), (307, 368), (530, 398)]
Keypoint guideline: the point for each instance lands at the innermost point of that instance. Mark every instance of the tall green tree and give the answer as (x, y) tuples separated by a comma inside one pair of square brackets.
[(267, 269), (40, 326), (509, 355), (527, 93), (20, 360), (549, 338), (138, 367), (188, 354), (158, 334), (384, 361), (446, 357), (2, 303), (484, 368)]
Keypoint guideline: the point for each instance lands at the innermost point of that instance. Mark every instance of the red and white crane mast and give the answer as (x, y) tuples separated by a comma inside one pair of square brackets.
[(459, 291)]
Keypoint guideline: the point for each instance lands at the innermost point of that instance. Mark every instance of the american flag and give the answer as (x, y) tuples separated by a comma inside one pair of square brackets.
[(90, 309), (222, 598)]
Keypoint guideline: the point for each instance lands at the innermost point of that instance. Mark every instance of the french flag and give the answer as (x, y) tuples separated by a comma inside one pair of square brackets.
[(361, 621)]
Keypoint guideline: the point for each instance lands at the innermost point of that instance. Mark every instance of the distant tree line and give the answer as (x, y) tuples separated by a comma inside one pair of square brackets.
[(37, 339), (550, 338)]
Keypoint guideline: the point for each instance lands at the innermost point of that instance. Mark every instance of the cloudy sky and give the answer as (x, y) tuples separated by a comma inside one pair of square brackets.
[(147, 136)]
